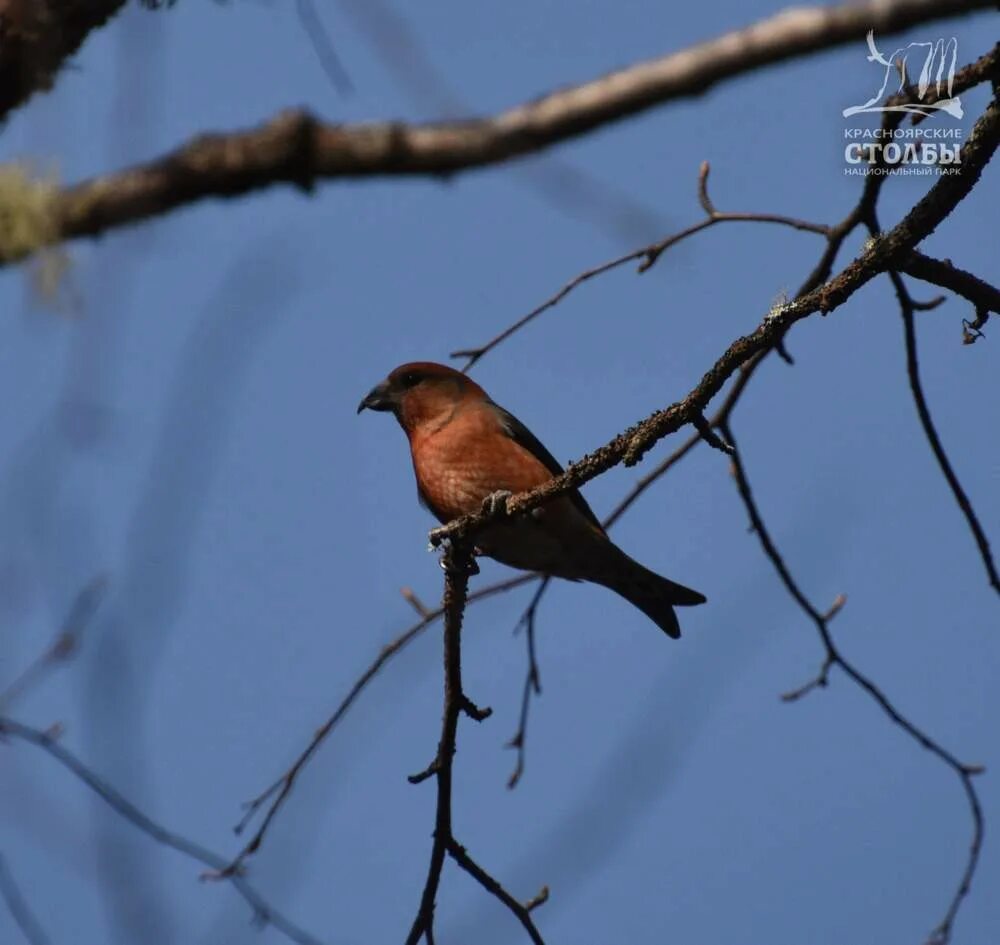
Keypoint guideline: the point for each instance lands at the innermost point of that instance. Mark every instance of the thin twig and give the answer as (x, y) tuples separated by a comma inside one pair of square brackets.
[(323, 47), (410, 596), (521, 911), (19, 909), (276, 794), (65, 644), (474, 354), (262, 910), (708, 434), (984, 297), (907, 308), (648, 255), (933, 438), (532, 681), (833, 657)]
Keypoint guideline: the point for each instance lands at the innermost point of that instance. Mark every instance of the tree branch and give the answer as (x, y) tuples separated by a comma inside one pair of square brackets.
[(458, 565), (19, 909), (906, 308), (742, 359), (37, 37), (275, 796), (648, 256), (65, 643), (879, 256), (532, 680), (984, 297), (295, 148), (834, 658), (263, 912)]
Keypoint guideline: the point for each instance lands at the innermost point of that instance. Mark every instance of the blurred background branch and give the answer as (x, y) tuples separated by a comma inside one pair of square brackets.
[(296, 148), (36, 39)]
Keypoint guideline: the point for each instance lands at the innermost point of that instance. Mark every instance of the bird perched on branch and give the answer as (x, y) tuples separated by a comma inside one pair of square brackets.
[(466, 450)]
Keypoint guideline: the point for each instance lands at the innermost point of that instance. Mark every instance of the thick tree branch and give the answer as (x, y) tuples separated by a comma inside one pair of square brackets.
[(295, 148), (36, 39)]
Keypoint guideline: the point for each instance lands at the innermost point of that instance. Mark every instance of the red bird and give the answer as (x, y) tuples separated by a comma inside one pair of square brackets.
[(466, 448)]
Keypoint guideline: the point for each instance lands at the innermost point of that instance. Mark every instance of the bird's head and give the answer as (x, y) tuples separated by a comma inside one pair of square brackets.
[(422, 392)]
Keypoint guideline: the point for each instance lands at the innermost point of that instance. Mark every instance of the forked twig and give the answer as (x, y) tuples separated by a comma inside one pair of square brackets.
[(458, 564), (834, 658)]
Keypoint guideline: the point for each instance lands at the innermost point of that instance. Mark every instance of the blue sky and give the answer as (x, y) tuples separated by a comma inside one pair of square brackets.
[(183, 422)]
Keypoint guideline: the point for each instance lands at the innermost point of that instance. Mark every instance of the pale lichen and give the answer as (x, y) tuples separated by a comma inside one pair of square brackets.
[(27, 211), (778, 307), (29, 226)]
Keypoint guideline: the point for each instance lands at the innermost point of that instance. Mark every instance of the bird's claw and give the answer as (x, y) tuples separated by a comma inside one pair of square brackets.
[(496, 502)]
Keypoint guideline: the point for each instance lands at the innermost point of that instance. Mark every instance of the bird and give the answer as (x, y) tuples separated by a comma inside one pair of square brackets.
[(467, 450)]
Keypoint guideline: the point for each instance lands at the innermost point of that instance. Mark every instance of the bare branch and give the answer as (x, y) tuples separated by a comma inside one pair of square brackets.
[(707, 432), (295, 148), (37, 37), (275, 796), (19, 909), (648, 256), (521, 911), (560, 184), (263, 911), (933, 438), (630, 446), (532, 680), (984, 297), (833, 657), (907, 308), (325, 51), (458, 564), (65, 643), (410, 596)]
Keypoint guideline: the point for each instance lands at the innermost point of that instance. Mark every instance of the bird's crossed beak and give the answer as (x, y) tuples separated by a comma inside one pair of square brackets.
[(378, 398)]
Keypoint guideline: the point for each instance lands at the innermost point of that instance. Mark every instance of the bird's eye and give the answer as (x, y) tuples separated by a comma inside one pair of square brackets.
[(410, 379)]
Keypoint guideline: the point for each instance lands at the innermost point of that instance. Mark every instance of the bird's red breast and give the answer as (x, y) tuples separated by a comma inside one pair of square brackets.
[(459, 462)]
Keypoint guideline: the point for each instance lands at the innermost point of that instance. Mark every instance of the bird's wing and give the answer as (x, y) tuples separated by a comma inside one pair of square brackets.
[(521, 435)]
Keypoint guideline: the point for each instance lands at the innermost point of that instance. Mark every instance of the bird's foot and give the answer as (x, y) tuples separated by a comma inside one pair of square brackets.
[(495, 503)]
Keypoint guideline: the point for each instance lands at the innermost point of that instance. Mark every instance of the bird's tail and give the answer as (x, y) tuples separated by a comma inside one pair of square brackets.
[(654, 595)]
